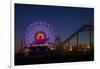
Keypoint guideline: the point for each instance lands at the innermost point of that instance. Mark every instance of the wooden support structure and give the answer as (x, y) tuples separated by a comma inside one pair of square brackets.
[(77, 38), (21, 48), (90, 38)]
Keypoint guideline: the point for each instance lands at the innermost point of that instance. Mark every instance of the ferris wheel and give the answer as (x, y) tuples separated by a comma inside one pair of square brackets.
[(39, 31)]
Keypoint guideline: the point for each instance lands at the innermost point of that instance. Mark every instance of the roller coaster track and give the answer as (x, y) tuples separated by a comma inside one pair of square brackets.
[(81, 29)]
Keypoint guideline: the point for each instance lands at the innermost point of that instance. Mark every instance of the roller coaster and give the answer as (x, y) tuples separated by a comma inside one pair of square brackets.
[(44, 54), (61, 44), (84, 28)]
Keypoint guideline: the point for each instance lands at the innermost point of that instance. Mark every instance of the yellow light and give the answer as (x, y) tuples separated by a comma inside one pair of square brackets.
[(88, 46), (51, 48), (40, 36), (70, 49)]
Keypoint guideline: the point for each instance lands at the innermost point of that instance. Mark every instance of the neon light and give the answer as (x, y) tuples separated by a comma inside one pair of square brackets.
[(39, 30)]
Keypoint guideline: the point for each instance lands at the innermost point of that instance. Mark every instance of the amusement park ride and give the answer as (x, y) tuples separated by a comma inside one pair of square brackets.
[(41, 45), (39, 39)]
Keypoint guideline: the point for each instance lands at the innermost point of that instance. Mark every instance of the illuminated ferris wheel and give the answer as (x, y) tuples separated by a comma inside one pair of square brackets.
[(39, 32)]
